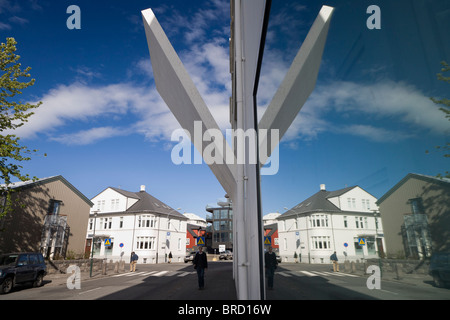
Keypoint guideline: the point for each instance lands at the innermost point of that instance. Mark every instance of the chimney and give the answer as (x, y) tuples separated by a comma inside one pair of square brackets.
[(142, 188), (322, 187)]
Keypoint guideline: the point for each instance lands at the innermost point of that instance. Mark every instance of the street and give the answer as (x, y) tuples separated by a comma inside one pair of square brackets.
[(179, 282), (319, 282)]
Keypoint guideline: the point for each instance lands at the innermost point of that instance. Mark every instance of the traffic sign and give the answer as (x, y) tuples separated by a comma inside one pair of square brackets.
[(362, 241), (345, 244), (267, 240), (107, 242), (201, 241), (121, 245)]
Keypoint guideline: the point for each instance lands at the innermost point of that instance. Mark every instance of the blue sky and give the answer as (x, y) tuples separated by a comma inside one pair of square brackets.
[(102, 122)]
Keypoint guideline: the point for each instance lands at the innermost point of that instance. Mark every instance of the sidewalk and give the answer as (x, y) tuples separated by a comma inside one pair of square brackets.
[(60, 279), (415, 279)]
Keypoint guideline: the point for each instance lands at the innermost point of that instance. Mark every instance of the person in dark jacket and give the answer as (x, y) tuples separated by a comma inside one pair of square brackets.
[(133, 261), (200, 264), (271, 263), (334, 260)]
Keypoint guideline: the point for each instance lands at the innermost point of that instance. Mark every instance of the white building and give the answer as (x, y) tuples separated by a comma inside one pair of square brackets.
[(135, 221), (271, 218), (196, 220), (345, 221)]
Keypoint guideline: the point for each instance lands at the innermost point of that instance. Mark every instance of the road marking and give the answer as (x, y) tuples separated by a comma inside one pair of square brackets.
[(135, 274), (149, 273), (89, 290), (334, 274), (183, 274), (159, 274), (309, 273), (155, 274), (389, 292), (285, 274)]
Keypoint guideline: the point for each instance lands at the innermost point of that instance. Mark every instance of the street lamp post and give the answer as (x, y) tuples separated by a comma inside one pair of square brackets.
[(92, 244)]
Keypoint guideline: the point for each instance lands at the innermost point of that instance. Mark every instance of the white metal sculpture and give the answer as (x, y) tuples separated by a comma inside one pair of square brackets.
[(240, 180)]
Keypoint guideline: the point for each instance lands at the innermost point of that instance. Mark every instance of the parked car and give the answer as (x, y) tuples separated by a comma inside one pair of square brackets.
[(189, 257), (19, 268), (440, 269), (226, 255)]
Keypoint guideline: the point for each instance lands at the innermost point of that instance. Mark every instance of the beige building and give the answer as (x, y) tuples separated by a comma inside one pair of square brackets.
[(50, 215), (416, 216)]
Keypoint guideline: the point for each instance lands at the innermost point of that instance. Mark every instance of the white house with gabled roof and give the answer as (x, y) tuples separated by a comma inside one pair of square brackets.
[(135, 221), (346, 221)]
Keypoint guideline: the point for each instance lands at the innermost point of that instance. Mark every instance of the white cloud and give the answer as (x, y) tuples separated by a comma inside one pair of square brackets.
[(84, 103), (125, 108), (380, 105), (89, 136)]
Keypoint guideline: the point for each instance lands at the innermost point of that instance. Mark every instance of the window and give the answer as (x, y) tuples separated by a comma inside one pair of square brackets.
[(101, 205), (319, 220), (107, 223), (23, 260), (345, 222), (416, 206), (121, 223), (358, 248), (145, 243), (33, 259), (366, 204), (359, 222), (146, 221), (114, 204), (321, 242), (54, 207)]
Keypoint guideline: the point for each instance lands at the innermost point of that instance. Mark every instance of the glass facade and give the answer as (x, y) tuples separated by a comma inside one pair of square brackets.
[(221, 220)]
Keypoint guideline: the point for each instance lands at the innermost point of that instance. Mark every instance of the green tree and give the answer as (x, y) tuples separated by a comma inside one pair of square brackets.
[(444, 104), (13, 114)]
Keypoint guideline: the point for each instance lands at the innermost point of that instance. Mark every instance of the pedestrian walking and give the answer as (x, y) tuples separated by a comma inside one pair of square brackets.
[(133, 261), (271, 263), (170, 256), (200, 264), (334, 260)]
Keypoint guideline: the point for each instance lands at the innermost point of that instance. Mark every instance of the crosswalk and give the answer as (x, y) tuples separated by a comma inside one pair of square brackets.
[(164, 273), (287, 274), (314, 274)]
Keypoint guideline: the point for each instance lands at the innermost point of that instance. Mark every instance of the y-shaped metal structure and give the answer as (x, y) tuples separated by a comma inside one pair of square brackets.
[(249, 20)]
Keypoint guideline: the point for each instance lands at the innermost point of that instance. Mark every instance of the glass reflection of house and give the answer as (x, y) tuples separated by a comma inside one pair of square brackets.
[(345, 221), (221, 219), (416, 216)]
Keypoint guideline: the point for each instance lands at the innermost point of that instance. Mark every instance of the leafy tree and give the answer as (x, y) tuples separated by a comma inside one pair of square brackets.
[(445, 108), (13, 114)]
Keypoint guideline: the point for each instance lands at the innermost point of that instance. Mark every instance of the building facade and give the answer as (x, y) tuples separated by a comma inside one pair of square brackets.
[(122, 222), (345, 221), (416, 216), (221, 220), (49, 215)]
